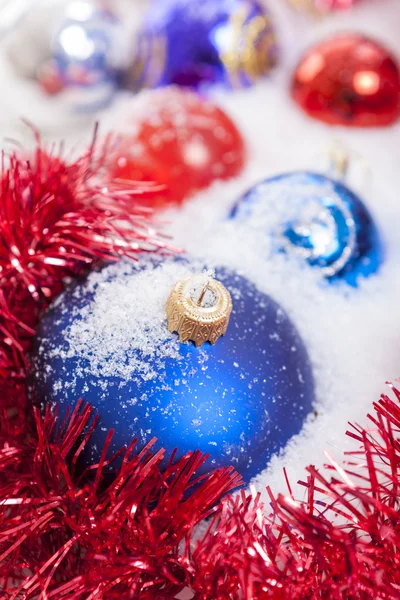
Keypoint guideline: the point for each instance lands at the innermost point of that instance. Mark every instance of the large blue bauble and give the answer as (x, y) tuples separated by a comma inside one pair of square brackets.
[(319, 218), (240, 400), (187, 42)]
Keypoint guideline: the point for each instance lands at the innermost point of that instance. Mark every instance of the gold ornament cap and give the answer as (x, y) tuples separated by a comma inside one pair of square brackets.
[(198, 309)]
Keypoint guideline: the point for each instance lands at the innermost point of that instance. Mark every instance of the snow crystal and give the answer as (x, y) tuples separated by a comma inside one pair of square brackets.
[(123, 332)]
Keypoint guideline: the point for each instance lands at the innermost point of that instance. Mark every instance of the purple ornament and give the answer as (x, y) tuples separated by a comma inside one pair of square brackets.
[(188, 42)]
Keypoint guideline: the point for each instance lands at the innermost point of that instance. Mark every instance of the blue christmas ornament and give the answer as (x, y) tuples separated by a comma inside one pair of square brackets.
[(86, 57), (187, 42), (317, 217), (108, 341)]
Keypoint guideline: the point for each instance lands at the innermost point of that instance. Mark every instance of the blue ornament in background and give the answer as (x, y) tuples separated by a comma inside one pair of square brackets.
[(87, 55), (189, 42), (320, 219), (240, 400)]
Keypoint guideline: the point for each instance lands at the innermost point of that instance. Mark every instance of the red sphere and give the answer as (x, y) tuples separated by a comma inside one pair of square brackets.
[(181, 141), (322, 6), (348, 80)]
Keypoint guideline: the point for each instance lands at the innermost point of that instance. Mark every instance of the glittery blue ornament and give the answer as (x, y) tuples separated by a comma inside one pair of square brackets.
[(320, 219), (187, 42), (86, 56), (240, 400)]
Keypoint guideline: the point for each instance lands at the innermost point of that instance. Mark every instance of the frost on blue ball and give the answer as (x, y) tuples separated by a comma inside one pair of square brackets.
[(319, 219), (107, 341)]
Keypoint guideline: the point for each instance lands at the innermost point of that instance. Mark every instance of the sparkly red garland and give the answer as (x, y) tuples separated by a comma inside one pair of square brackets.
[(67, 535)]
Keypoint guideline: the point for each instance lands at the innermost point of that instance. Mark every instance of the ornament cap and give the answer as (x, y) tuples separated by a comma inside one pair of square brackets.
[(198, 309)]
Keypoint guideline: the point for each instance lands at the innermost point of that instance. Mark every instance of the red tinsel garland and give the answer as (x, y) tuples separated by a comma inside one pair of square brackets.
[(67, 535)]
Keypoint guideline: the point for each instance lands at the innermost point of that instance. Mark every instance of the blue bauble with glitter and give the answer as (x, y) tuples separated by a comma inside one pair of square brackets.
[(188, 42), (240, 400), (317, 217), (86, 56)]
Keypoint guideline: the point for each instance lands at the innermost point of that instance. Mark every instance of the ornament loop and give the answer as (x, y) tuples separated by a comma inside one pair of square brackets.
[(199, 309), (340, 161)]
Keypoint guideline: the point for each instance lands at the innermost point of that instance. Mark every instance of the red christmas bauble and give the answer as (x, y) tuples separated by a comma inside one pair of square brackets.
[(181, 141), (322, 6), (348, 80)]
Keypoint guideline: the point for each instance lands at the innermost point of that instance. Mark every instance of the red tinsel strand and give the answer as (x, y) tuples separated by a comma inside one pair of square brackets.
[(134, 538), (57, 217), (342, 541), (121, 537)]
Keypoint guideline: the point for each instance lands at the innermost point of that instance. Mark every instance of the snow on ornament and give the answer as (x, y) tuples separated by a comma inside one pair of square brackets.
[(180, 140), (349, 80), (317, 218), (239, 398)]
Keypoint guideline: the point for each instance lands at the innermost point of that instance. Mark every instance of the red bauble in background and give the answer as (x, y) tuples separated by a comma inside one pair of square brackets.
[(348, 80), (322, 6), (182, 141)]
